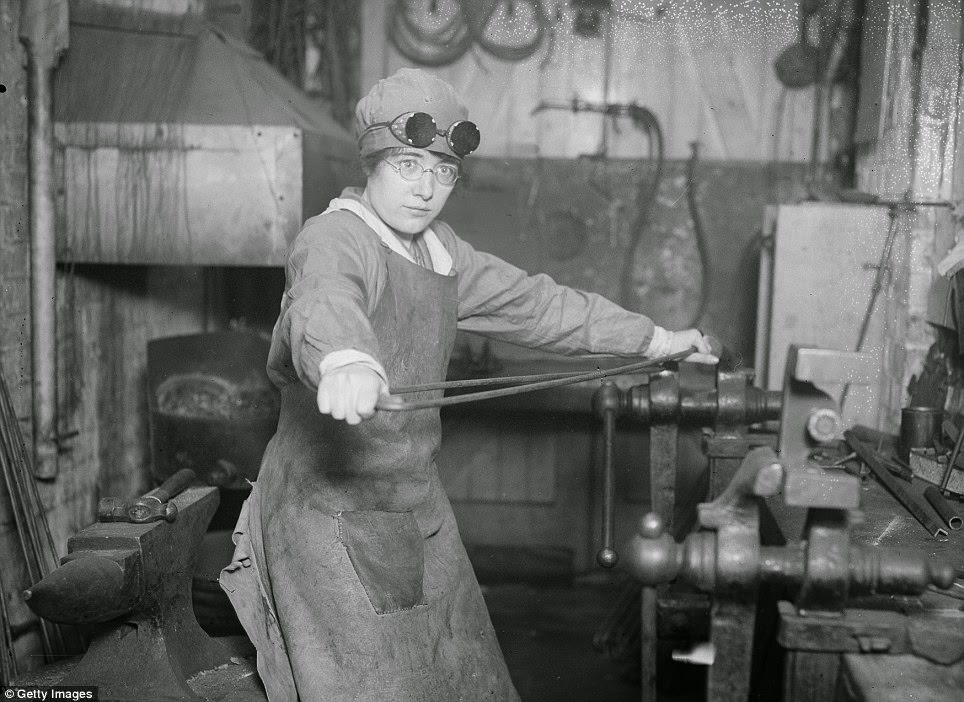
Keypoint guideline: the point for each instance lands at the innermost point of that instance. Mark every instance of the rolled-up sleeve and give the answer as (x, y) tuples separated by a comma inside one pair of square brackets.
[(501, 301), (331, 290)]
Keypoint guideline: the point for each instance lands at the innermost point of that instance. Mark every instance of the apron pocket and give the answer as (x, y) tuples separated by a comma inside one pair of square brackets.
[(388, 554)]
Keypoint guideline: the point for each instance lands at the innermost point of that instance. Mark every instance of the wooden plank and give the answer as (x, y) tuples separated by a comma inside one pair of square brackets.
[(885, 169), (873, 68), (191, 195)]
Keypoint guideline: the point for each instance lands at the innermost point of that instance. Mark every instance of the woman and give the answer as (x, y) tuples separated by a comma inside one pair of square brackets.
[(349, 575)]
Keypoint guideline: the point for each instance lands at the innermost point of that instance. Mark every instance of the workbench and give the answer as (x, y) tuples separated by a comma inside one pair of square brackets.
[(889, 678)]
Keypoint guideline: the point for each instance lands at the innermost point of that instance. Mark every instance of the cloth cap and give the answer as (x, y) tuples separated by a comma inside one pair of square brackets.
[(407, 90)]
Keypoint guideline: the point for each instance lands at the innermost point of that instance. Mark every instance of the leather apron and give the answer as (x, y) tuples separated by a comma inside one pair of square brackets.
[(350, 576)]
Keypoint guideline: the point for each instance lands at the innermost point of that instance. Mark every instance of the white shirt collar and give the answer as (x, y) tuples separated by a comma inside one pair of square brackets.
[(441, 259)]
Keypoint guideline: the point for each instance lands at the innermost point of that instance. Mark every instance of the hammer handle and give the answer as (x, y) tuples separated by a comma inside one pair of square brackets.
[(173, 486)]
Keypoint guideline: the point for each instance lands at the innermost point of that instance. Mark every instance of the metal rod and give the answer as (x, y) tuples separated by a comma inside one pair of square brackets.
[(396, 404), (8, 656), (942, 507), (482, 382), (28, 510), (607, 554), (33, 504), (910, 502), (647, 640), (949, 470)]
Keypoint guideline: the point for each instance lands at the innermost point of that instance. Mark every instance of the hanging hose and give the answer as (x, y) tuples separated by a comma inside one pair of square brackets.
[(424, 46), (479, 15), (699, 233), (647, 122)]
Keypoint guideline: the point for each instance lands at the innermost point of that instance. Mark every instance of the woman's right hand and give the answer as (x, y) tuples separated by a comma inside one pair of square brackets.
[(350, 392), (665, 343)]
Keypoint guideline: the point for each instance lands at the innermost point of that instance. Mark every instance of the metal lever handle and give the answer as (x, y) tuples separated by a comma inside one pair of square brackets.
[(606, 401), (651, 529)]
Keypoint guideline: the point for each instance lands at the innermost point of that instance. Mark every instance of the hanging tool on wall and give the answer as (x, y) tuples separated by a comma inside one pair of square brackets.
[(798, 65)]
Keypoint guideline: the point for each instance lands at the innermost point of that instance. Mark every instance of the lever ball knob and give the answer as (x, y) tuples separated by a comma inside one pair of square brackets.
[(607, 557), (650, 526)]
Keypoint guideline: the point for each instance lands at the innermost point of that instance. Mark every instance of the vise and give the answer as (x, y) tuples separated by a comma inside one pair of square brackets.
[(131, 580), (820, 571), (824, 569), (724, 400)]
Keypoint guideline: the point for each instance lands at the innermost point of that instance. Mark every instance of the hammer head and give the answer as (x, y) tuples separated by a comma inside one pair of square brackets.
[(137, 511)]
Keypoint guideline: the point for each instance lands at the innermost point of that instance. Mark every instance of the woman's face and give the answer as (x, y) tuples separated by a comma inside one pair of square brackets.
[(408, 206)]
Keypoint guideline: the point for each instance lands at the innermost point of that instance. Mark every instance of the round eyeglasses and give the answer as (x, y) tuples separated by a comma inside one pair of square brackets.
[(445, 173), (419, 129)]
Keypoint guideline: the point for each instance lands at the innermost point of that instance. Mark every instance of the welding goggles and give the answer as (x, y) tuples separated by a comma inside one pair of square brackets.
[(418, 129)]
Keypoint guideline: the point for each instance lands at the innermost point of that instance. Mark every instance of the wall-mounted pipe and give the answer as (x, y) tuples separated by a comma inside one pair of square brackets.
[(43, 262), (44, 33)]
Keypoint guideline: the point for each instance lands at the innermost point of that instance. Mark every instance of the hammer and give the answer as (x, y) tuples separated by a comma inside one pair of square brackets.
[(153, 506)]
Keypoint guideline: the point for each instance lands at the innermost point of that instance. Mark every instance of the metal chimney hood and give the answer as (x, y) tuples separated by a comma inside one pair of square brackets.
[(183, 146)]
